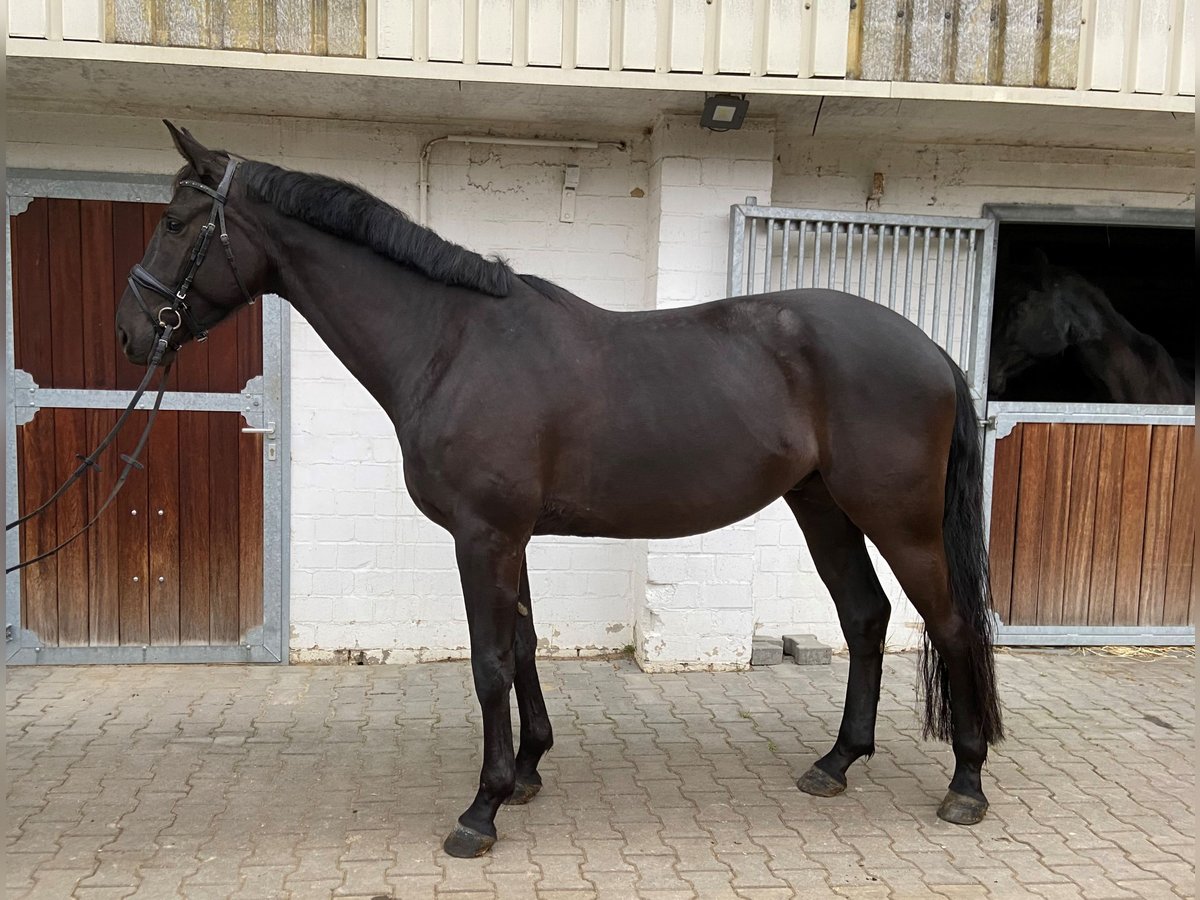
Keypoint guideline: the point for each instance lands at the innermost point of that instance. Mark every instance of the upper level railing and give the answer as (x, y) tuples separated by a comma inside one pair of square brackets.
[(875, 47)]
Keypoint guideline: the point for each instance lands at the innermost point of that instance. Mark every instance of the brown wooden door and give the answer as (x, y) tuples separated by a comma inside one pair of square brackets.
[(178, 558), (1092, 525)]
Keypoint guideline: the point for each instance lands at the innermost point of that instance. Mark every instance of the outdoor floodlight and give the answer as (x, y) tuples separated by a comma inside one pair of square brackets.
[(724, 112)]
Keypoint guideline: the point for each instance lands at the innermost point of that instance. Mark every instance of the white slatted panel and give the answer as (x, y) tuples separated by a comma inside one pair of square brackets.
[(1186, 65), (593, 30), (736, 46), (687, 35), (496, 31), (830, 23), (1108, 44), (1153, 47), (786, 48), (640, 35), (83, 20), (29, 18), (545, 32), (395, 37), (1023, 41), (446, 30)]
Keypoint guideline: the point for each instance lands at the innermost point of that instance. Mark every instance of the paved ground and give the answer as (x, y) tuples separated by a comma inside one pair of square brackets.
[(311, 782)]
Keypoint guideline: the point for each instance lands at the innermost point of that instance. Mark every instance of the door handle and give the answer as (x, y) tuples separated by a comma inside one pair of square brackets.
[(270, 429)]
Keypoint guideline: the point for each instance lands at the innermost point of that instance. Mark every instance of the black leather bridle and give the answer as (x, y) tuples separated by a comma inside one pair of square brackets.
[(164, 329), (177, 297)]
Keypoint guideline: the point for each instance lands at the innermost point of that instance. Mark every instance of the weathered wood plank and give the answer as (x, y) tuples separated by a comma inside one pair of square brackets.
[(1062, 64), (237, 24), (185, 22), (883, 28), (1181, 546), (1111, 468), (104, 541), (39, 582), (1021, 42), (1164, 446), (928, 41), (976, 41), (1005, 494), (132, 21), (1081, 524), (345, 29), (1059, 450), (291, 26), (133, 555), (163, 509), (1134, 488), (1027, 556)]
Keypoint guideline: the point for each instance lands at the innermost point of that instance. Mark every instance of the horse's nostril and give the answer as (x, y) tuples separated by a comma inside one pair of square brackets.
[(121, 333)]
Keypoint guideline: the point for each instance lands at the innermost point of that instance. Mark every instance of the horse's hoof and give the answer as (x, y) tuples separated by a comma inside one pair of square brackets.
[(464, 842), (523, 793), (961, 809), (819, 783)]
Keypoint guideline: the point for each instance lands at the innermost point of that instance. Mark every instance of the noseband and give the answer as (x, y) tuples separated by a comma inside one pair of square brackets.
[(176, 306)]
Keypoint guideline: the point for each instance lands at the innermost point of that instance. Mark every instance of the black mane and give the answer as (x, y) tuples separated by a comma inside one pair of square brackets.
[(347, 211)]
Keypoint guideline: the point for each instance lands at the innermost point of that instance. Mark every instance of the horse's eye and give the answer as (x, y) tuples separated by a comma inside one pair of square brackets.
[(174, 226)]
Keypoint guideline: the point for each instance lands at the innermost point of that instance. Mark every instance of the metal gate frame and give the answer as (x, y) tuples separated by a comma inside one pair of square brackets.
[(262, 403), (1003, 416), (997, 419)]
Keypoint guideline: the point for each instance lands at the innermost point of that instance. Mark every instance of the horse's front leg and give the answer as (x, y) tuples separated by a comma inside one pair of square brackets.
[(489, 564)]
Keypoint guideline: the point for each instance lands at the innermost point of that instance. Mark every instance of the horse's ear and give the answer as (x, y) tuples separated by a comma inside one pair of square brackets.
[(203, 160)]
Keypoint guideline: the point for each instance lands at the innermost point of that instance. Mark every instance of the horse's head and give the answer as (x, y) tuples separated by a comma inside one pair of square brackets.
[(1039, 312), (202, 262)]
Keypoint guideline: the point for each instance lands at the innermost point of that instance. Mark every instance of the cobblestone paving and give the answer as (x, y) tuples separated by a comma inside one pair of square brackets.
[(216, 782)]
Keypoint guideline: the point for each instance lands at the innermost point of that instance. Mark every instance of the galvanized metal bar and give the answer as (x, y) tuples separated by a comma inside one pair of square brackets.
[(801, 249), (862, 260), (895, 267), (937, 292), (849, 257), (768, 254), (881, 239), (954, 304), (751, 252), (816, 254), (735, 277), (966, 361), (982, 318), (1042, 214), (787, 249), (833, 256), (921, 289), (873, 218), (910, 250), (248, 402), (1086, 636)]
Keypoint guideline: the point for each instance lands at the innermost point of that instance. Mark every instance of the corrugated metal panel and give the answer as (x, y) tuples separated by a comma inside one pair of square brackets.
[(312, 27)]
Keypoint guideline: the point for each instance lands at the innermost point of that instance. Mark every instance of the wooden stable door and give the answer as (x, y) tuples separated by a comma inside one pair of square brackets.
[(177, 559), (1093, 525)]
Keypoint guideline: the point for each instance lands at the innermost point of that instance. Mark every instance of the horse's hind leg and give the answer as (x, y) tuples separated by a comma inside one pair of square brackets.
[(840, 554), (536, 734)]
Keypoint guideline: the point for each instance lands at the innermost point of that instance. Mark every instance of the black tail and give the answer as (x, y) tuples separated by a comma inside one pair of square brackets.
[(966, 553)]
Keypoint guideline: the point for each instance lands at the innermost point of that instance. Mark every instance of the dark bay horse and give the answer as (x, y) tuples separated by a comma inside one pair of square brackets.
[(522, 410)]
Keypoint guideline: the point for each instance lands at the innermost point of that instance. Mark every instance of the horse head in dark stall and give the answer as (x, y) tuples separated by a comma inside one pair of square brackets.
[(1045, 313)]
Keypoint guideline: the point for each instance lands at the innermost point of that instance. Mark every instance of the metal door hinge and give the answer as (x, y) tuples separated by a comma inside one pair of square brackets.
[(8, 633)]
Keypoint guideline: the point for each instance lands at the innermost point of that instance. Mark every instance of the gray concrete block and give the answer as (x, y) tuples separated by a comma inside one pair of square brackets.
[(806, 650), (766, 651)]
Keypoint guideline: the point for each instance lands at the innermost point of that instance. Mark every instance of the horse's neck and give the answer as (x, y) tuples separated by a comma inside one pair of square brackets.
[(380, 319), (1128, 375)]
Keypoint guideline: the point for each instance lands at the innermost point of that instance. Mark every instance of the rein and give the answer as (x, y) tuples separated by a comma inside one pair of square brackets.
[(164, 329)]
